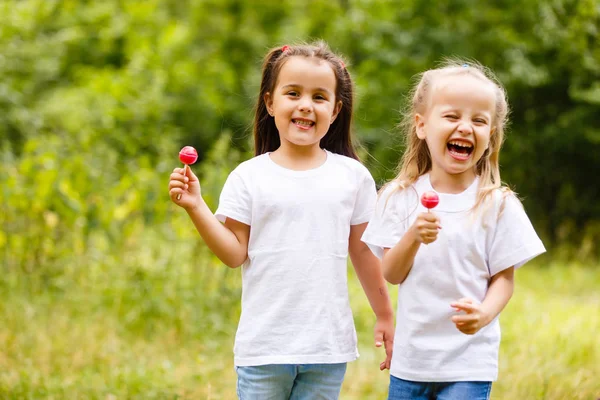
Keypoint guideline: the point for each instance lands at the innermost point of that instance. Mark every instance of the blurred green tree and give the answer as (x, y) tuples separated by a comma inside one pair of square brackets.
[(97, 97)]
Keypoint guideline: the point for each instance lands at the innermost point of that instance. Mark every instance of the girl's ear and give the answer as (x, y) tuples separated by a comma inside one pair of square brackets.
[(336, 111), (268, 103), (420, 126)]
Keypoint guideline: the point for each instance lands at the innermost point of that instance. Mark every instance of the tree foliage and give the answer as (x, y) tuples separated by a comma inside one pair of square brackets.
[(97, 97)]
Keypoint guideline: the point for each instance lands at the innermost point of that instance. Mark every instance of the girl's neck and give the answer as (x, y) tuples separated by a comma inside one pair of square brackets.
[(299, 158), (444, 182)]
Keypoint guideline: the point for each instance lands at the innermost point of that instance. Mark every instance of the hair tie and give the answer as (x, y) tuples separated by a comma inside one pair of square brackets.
[(342, 64), (285, 48), (465, 65)]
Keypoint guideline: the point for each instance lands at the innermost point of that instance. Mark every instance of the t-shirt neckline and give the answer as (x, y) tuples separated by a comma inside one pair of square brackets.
[(295, 173), (454, 202)]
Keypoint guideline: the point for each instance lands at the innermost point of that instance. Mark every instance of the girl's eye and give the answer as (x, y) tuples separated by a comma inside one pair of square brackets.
[(320, 97), (292, 93), (481, 121), (451, 116)]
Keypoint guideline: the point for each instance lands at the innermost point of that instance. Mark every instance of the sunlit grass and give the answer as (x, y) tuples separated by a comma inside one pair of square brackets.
[(551, 336), (155, 330)]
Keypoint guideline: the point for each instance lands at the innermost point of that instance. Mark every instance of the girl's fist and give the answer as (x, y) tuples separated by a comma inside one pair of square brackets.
[(425, 228), (184, 188)]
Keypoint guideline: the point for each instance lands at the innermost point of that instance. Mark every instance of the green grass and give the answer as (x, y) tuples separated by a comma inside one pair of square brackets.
[(551, 336), (153, 330)]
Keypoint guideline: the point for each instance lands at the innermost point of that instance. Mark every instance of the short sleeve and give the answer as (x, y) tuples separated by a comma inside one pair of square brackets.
[(365, 200), (389, 221), (515, 241), (235, 201)]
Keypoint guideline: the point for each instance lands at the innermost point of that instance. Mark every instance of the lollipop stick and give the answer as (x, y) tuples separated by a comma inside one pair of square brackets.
[(184, 174)]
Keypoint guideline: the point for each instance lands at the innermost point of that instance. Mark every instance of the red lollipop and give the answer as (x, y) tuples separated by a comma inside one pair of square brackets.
[(430, 200), (188, 155)]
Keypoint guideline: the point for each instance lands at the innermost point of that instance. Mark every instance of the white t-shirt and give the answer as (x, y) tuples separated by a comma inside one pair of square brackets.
[(295, 306), (469, 250)]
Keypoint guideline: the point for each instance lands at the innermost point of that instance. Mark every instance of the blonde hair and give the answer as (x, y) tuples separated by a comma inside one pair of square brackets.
[(416, 160)]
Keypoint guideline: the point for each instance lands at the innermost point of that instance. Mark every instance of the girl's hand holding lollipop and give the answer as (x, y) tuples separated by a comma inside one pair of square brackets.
[(184, 187), (426, 226)]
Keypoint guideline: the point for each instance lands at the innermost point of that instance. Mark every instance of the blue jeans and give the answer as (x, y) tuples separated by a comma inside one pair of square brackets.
[(409, 390), (290, 381)]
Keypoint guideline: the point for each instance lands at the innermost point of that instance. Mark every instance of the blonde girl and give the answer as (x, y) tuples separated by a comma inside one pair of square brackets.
[(454, 265)]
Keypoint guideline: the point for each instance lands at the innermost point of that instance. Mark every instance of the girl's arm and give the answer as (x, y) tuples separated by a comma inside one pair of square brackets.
[(479, 315), (398, 260), (368, 271), (228, 242)]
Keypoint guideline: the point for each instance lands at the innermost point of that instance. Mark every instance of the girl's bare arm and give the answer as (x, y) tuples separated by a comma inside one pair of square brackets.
[(368, 271), (398, 261), (479, 315), (229, 241)]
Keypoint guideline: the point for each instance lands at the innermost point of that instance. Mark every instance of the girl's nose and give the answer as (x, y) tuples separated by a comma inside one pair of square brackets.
[(465, 128), (305, 105)]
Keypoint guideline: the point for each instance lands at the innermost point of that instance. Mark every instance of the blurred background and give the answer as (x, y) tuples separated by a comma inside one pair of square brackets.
[(107, 292)]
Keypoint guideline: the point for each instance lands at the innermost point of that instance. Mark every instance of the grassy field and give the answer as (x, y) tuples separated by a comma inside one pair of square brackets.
[(148, 330)]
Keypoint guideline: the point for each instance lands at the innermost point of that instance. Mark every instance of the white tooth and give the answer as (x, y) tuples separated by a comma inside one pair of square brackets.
[(460, 144)]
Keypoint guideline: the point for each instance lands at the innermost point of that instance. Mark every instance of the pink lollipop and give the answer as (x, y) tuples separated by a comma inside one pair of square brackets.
[(188, 155), (430, 200)]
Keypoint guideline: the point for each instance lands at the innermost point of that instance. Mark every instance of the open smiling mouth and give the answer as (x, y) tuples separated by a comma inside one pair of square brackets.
[(459, 149), (301, 123)]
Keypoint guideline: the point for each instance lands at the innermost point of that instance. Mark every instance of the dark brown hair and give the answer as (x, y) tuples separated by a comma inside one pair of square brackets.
[(339, 137)]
